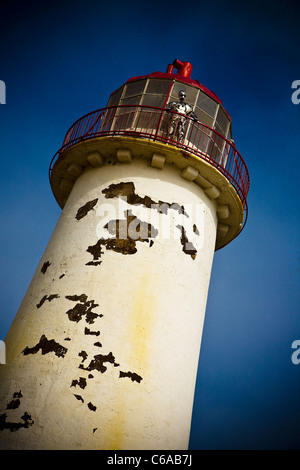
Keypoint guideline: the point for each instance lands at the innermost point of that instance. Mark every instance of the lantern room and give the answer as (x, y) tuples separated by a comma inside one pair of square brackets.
[(141, 121), (158, 89)]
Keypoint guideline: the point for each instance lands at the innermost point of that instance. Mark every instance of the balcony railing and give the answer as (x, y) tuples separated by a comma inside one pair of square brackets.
[(164, 126)]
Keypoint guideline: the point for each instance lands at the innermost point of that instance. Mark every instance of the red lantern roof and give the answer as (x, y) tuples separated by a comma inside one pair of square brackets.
[(183, 75)]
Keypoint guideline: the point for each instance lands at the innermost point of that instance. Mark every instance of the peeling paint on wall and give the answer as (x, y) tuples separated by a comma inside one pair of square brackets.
[(83, 354), (126, 232), (84, 308), (131, 228), (45, 267), (93, 263), (187, 247), (26, 418), (127, 190), (122, 242), (47, 297), (195, 229), (82, 211), (81, 382), (132, 375), (15, 402), (46, 346), (87, 331), (26, 422), (98, 362), (91, 406), (79, 397)]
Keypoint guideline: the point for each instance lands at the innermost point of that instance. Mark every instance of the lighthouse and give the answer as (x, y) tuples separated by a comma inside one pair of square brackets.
[(104, 349)]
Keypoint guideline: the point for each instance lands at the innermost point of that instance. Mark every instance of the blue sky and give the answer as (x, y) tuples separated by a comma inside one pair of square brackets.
[(60, 60)]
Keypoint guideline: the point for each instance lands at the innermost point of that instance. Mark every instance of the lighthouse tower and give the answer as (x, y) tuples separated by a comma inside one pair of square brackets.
[(103, 351)]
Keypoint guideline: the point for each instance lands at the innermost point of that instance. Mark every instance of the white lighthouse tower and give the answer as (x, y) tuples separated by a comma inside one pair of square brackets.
[(103, 351)]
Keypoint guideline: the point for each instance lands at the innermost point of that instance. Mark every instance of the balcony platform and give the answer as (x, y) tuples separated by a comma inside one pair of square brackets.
[(120, 150)]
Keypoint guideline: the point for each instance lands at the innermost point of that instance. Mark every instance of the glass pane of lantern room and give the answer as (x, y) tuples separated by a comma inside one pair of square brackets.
[(156, 101), (130, 101), (229, 133), (203, 117), (135, 88), (156, 92), (115, 97), (207, 104), (158, 87), (222, 121)]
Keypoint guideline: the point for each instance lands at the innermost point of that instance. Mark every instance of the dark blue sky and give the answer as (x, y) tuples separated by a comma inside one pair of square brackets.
[(60, 60)]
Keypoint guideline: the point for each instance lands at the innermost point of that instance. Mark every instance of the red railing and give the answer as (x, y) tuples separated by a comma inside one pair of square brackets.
[(164, 126)]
